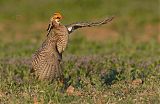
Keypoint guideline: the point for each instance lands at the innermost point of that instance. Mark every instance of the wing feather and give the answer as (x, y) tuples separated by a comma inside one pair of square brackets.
[(45, 62), (74, 26)]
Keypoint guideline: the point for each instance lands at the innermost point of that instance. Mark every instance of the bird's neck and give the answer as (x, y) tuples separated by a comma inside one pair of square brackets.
[(55, 23)]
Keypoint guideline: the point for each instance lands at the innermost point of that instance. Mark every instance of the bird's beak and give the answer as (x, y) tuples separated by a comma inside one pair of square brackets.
[(57, 20)]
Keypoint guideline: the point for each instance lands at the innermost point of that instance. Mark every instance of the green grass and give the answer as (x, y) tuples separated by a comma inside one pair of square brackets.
[(100, 71)]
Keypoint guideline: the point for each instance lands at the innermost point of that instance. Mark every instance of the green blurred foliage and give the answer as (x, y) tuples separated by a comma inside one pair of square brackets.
[(98, 69)]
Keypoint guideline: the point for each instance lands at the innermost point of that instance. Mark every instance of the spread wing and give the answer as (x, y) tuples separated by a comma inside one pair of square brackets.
[(45, 62), (74, 26)]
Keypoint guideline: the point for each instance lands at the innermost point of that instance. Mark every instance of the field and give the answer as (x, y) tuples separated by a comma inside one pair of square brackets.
[(118, 63)]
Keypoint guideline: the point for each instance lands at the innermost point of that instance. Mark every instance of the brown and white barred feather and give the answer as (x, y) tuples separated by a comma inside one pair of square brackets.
[(72, 27), (46, 60), (62, 40), (62, 33)]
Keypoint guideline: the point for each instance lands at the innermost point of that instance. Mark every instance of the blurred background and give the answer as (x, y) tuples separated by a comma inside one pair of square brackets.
[(23, 25), (115, 63)]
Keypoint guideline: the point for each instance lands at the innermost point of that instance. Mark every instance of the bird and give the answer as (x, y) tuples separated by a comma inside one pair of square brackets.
[(46, 61)]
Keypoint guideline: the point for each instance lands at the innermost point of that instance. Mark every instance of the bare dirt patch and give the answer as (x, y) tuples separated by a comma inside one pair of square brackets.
[(150, 32), (100, 34)]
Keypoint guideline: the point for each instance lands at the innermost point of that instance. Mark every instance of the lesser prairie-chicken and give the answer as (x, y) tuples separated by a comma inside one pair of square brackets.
[(46, 60)]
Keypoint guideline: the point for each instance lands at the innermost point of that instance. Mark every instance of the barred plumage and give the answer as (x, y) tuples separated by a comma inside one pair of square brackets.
[(62, 39), (46, 60)]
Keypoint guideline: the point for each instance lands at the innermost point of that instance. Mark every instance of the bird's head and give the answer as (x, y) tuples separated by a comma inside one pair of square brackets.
[(56, 17)]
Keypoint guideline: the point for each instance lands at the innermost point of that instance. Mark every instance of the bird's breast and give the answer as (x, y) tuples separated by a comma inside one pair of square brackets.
[(62, 39)]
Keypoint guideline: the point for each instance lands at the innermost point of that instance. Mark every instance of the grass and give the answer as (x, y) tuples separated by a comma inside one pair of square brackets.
[(122, 67)]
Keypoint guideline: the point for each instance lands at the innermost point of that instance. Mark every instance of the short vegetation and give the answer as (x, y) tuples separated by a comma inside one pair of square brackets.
[(118, 63)]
